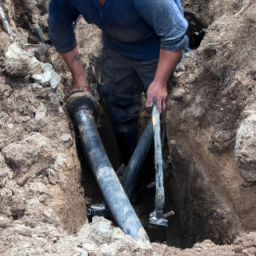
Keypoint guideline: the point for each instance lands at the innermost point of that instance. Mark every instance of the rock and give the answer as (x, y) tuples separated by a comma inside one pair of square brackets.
[(245, 149), (40, 117), (52, 176), (61, 161), (4, 43), (17, 61), (47, 75), (5, 89), (55, 80), (10, 126), (37, 86), (4, 222), (65, 137), (34, 148)]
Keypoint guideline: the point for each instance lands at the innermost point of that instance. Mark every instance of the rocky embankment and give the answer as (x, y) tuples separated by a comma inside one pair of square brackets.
[(210, 132)]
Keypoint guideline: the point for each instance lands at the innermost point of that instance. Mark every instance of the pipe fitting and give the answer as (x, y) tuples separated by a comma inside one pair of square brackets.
[(82, 101)]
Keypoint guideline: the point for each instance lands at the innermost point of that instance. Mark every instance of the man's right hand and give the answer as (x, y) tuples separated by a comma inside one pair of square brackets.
[(81, 88)]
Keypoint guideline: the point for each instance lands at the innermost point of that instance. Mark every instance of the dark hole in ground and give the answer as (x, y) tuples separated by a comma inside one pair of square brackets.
[(196, 30), (17, 213), (15, 216)]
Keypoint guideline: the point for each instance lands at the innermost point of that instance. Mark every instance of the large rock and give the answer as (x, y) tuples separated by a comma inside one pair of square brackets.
[(213, 183), (21, 62), (4, 43), (245, 148)]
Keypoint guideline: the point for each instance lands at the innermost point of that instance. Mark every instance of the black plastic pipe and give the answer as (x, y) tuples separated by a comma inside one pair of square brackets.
[(134, 166), (106, 177)]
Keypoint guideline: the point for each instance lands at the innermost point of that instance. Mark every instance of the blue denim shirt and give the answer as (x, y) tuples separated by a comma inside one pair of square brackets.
[(133, 28)]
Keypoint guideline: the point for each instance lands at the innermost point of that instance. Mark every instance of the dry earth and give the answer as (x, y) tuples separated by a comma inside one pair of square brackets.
[(211, 127)]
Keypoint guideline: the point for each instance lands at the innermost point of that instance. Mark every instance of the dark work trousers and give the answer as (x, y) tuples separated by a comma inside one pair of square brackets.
[(123, 80)]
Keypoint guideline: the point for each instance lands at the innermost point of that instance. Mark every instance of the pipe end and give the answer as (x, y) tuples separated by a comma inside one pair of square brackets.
[(82, 100)]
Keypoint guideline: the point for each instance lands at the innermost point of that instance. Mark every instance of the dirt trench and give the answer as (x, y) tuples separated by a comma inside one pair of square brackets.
[(46, 184)]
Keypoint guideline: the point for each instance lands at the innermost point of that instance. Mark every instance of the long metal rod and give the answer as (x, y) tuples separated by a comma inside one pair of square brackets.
[(156, 217), (134, 166), (6, 23), (107, 179), (160, 198)]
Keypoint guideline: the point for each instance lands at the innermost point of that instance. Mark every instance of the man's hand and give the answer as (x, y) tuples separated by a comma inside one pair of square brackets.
[(157, 91)]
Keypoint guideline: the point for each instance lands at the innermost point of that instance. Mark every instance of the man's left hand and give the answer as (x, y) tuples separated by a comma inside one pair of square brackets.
[(157, 92)]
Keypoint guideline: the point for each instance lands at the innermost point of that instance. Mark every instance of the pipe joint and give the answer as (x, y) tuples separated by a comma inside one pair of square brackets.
[(82, 101)]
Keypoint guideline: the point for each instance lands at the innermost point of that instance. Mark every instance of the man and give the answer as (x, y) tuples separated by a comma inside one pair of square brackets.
[(143, 41)]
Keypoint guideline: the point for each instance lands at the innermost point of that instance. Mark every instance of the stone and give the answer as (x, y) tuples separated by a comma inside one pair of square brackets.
[(17, 61), (37, 86), (65, 137), (60, 162), (40, 116), (5, 90), (35, 147), (245, 149), (48, 75)]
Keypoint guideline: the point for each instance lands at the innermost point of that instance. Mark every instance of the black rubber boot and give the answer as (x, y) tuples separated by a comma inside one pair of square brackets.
[(126, 135)]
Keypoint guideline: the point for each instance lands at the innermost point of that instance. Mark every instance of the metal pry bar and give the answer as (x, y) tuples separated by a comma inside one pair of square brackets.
[(6, 23), (156, 217)]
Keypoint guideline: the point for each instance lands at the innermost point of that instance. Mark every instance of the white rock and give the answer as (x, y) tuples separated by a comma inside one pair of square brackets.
[(10, 126), (17, 61), (245, 149), (41, 114), (61, 109), (117, 234), (37, 86), (38, 77), (48, 75), (55, 80), (4, 222), (66, 137), (60, 161)]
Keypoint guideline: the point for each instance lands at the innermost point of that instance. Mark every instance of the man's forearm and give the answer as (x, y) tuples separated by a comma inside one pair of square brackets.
[(166, 64), (74, 63)]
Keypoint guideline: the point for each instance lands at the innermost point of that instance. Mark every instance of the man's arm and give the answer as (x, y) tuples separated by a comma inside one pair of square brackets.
[(157, 91), (167, 19), (62, 18), (73, 61)]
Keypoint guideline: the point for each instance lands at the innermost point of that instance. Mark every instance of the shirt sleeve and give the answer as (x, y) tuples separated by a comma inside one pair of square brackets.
[(62, 20), (167, 19)]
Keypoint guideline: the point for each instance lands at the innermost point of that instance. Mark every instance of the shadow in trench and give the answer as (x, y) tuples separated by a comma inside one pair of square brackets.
[(196, 30)]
